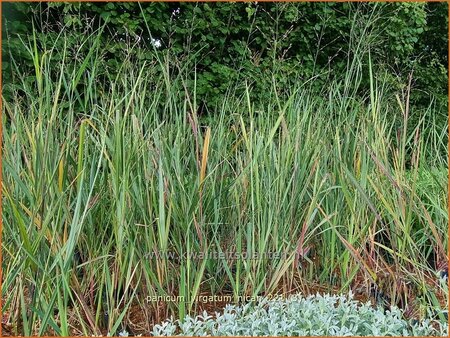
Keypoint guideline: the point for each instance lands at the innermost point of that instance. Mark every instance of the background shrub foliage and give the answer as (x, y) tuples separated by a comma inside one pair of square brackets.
[(232, 41)]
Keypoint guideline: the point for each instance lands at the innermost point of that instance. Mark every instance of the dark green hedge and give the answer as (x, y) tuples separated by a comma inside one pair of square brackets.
[(254, 41)]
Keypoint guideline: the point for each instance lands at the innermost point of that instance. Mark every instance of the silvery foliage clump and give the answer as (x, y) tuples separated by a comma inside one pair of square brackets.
[(319, 315), (124, 333)]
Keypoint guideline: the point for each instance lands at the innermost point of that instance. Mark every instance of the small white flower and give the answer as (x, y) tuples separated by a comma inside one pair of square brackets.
[(156, 42)]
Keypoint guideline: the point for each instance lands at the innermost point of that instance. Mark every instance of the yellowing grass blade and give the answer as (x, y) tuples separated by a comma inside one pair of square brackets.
[(205, 155), (60, 174)]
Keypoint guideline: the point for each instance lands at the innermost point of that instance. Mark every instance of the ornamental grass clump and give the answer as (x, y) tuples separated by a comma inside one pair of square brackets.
[(108, 175), (315, 315)]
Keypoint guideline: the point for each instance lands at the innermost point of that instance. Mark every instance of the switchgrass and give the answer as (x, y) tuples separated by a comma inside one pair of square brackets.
[(104, 175)]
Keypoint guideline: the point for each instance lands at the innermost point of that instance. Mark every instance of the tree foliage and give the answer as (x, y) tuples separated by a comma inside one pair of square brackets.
[(263, 43)]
